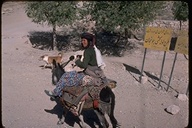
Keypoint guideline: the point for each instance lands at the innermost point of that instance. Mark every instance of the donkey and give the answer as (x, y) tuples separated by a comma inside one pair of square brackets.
[(104, 105)]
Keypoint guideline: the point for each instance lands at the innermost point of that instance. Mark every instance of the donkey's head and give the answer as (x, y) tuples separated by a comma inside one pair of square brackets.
[(57, 72)]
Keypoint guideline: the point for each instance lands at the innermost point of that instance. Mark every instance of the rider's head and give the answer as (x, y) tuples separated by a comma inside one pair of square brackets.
[(87, 40)]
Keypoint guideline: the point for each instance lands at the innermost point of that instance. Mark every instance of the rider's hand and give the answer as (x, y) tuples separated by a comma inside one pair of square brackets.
[(79, 56), (71, 58)]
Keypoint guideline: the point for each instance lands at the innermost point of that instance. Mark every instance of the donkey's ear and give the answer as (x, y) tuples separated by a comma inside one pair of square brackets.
[(54, 63)]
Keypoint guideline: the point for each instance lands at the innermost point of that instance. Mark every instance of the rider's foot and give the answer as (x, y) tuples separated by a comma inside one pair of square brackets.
[(51, 94)]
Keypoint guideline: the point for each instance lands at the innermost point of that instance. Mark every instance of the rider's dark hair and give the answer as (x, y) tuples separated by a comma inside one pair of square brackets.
[(90, 38)]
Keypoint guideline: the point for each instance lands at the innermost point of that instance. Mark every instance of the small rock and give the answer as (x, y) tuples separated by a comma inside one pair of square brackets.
[(123, 68), (144, 79), (182, 97), (173, 109), (34, 45)]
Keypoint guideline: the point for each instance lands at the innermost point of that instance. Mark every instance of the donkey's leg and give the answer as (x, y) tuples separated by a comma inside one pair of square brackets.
[(80, 107), (110, 111), (113, 121), (102, 119), (62, 119), (81, 123)]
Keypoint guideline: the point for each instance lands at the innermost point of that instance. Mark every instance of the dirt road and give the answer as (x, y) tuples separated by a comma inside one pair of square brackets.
[(137, 105)]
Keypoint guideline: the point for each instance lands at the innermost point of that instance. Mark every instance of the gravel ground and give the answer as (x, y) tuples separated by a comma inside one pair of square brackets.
[(137, 105)]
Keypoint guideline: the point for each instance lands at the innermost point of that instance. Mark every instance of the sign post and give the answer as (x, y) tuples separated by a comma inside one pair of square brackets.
[(172, 71), (180, 47), (162, 68), (142, 65), (158, 39)]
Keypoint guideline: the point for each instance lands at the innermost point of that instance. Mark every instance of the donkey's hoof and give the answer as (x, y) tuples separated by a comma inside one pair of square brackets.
[(60, 122), (118, 125)]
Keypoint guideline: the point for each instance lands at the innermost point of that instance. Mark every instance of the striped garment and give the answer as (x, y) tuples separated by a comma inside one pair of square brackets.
[(68, 79)]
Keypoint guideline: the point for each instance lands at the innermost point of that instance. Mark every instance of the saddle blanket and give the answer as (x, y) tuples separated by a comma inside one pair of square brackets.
[(72, 78)]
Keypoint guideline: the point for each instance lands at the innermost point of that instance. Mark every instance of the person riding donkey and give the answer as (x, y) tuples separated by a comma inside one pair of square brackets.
[(91, 63)]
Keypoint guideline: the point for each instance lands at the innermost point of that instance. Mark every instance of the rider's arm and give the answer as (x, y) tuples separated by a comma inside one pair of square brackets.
[(86, 60)]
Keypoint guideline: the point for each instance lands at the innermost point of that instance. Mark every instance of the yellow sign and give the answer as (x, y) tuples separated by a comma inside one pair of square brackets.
[(157, 38), (182, 42)]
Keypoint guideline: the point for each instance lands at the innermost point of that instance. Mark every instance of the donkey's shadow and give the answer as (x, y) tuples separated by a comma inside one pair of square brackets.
[(90, 118)]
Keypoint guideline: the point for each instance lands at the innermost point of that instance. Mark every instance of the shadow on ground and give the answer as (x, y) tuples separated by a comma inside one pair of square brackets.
[(134, 70), (131, 70), (43, 40), (90, 118), (106, 42)]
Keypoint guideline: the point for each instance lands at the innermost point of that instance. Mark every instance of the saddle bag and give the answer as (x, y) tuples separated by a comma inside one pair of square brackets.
[(73, 95)]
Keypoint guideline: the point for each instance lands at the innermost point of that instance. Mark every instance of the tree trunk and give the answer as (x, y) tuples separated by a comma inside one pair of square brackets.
[(180, 24), (126, 33), (54, 42), (127, 36), (118, 38)]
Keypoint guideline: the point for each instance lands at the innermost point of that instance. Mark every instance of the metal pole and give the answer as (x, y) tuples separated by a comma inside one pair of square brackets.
[(143, 64), (172, 71), (162, 68), (187, 92)]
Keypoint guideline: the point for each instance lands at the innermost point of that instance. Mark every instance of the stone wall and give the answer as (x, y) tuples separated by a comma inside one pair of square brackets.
[(175, 25)]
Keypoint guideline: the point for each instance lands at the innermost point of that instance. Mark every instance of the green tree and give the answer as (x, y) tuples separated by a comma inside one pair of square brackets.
[(180, 11), (52, 13), (123, 16)]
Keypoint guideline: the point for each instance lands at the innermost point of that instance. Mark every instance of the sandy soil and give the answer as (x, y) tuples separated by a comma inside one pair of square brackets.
[(137, 105)]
